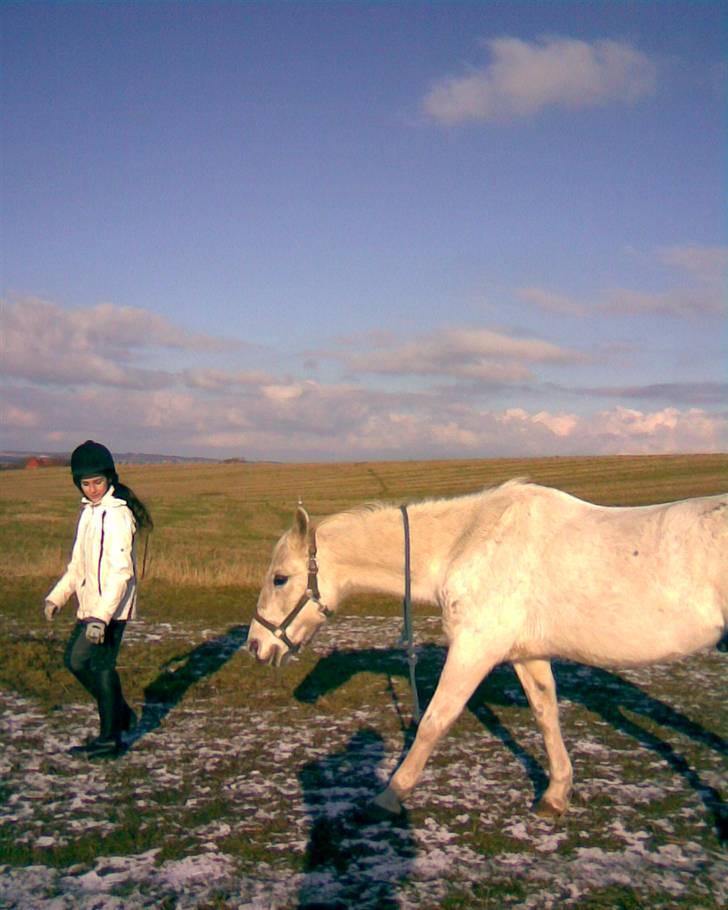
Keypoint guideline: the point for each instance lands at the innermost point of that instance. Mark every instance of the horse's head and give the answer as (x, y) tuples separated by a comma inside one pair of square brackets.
[(290, 610)]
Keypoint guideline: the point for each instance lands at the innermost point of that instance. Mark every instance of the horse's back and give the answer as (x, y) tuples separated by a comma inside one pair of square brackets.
[(598, 584)]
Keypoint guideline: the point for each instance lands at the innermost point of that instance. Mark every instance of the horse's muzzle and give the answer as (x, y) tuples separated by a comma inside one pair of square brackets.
[(253, 648), (274, 658)]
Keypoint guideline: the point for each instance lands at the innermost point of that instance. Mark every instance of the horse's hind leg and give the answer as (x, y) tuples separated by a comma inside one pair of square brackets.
[(460, 677), (538, 684)]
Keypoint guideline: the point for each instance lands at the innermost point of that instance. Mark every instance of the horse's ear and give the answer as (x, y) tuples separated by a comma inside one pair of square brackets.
[(300, 526)]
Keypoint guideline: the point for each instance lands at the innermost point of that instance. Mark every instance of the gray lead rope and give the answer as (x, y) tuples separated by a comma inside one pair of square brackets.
[(408, 637)]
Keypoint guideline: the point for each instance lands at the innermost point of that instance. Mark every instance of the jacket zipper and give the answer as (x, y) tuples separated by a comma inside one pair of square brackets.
[(101, 548)]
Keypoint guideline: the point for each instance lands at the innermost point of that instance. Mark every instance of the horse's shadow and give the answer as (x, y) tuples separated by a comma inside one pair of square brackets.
[(349, 862), (181, 672), (604, 693)]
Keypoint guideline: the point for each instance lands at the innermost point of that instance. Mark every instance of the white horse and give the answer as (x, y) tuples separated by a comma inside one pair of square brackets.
[(523, 574)]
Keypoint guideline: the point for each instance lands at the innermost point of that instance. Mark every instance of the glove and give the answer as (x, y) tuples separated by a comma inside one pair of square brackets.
[(95, 631), (50, 610)]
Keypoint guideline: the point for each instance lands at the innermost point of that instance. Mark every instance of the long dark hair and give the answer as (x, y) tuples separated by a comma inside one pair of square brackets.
[(140, 512)]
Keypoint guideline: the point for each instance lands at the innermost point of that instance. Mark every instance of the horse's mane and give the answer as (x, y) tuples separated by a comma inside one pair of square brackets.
[(360, 509), (378, 505)]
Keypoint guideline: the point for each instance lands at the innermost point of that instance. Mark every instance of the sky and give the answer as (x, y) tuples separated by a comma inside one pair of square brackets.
[(334, 231)]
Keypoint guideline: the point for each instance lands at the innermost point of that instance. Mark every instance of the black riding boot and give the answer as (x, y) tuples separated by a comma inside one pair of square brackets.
[(95, 668)]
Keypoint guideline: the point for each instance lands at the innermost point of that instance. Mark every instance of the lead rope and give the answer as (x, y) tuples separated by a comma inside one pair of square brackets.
[(146, 550), (408, 637)]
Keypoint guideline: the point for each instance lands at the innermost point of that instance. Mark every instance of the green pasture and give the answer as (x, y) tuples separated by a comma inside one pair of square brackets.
[(215, 526)]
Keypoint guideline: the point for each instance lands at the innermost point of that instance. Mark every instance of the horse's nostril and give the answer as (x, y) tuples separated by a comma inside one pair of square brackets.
[(253, 646)]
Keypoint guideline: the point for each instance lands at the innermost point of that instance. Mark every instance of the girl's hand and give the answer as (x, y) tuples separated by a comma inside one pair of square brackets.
[(95, 631), (50, 610)]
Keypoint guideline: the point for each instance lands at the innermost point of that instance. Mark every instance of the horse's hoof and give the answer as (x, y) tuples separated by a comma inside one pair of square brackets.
[(384, 807), (546, 809), (373, 814)]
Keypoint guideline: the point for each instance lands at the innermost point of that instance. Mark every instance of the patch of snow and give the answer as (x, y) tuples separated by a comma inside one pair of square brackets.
[(479, 782)]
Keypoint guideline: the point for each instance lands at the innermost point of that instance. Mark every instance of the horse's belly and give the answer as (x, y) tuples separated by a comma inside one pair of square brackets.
[(640, 640)]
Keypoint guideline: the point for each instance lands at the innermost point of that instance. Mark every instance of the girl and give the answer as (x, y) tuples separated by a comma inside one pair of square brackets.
[(102, 575)]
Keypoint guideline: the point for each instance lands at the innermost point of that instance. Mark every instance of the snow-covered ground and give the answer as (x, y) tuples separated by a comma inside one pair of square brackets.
[(257, 809)]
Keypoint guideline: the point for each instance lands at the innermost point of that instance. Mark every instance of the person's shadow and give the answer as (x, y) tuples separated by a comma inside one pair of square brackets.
[(351, 860), (604, 693), (181, 672)]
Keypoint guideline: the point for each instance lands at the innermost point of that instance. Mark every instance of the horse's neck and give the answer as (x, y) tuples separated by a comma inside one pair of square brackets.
[(366, 551)]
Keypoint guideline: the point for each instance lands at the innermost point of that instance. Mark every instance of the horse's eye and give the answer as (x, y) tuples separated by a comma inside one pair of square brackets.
[(279, 580)]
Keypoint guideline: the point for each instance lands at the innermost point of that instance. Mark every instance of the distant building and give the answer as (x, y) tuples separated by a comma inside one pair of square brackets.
[(43, 461)]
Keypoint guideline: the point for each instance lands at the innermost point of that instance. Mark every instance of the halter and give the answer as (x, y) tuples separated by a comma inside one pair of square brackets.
[(311, 593)]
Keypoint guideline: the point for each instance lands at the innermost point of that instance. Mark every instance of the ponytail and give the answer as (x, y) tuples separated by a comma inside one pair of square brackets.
[(138, 509)]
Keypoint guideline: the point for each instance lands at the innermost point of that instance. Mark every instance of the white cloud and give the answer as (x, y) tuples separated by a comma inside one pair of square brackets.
[(287, 392), (708, 264), (618, 431), (693, 393), (625, 431), (559, 424), (65, 383), (705, 265), (218, 380), (43, 342), (15, 417), (130, 327), (706, 296), (552, 301), (341, 423), (524, 78), (684, 303), (462, 353)]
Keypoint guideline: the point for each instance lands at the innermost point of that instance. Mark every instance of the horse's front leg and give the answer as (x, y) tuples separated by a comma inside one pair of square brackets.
[(538, 684), (460, 677)]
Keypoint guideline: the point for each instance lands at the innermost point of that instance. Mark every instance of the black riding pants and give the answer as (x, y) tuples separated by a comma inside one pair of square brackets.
[(94, 666)]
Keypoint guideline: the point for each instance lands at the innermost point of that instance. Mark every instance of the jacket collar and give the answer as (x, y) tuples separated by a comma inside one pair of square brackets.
[(108, 500)]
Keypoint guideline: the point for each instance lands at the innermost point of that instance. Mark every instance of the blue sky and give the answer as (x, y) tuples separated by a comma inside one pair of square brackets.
[(347, 230)]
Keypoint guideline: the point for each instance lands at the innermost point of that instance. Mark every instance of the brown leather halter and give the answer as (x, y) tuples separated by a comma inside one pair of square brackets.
[(311, 593)]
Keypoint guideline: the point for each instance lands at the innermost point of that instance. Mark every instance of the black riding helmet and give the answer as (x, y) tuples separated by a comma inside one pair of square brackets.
[(91, 459)]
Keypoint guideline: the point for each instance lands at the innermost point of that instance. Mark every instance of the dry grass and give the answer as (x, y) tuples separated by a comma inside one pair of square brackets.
[(216, 524)]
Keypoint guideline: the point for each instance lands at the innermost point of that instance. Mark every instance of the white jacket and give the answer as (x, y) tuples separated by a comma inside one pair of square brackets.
[(102, 570)]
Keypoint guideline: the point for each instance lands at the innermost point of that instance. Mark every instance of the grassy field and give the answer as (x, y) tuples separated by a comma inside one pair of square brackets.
[(216, 524), (239, 789)]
